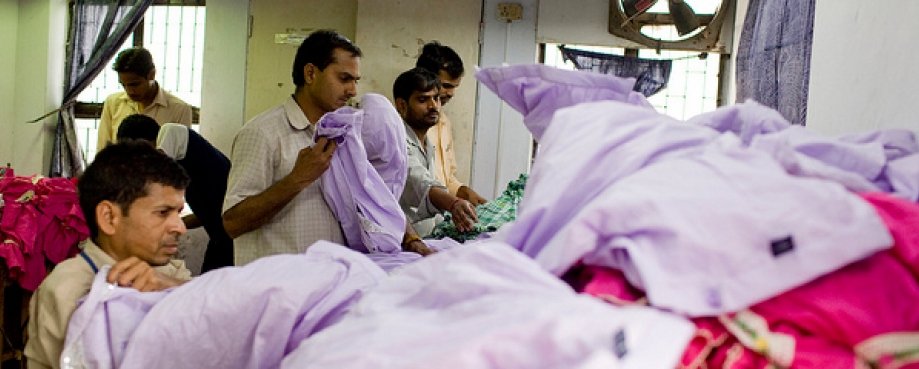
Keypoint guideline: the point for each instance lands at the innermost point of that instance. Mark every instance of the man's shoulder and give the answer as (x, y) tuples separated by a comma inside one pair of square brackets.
[(116, 98), (174, 100), (71, 276), (268, 120)]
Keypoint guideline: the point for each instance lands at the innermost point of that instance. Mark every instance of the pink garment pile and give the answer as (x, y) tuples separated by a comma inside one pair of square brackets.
[(41, 220), (861, 316)]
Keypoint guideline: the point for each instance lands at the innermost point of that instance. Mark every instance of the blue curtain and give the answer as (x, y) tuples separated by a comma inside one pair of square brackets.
[(773, 57), (650, 75), (97, 30)]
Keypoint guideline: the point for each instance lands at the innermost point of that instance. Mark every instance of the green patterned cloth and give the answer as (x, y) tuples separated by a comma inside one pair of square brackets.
[(492, 214)]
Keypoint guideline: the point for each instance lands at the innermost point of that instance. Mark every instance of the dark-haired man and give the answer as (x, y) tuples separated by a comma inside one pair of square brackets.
[(417, 96), (142, 94), (443, 61), (274, 204), (208, 169), (131, 196)]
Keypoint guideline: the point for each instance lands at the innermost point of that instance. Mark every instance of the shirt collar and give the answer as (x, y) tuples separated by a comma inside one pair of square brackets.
[(159, 99), (413, 138), (295, 115), (98, 256)]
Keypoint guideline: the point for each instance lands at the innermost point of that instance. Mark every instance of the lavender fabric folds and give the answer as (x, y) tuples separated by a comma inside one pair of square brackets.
[(370, 216), (537, 91), (383, 135), (617, 137), (485, 305), (102, 325), (252, 316), (719, 231)]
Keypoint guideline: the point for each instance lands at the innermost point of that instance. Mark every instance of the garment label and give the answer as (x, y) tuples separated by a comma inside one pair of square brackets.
[(782, 246), (619, 347)]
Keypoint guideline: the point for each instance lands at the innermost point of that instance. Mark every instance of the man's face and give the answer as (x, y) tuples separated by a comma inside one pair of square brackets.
[(447, 86), (333, 87), (139, 88), (422, 110), (151, 228)]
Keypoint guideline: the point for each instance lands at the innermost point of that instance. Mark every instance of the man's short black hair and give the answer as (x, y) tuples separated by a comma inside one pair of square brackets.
[(436, 57), (138, 127), (135, 60), (415, 79), (318, 49), (120, 173)]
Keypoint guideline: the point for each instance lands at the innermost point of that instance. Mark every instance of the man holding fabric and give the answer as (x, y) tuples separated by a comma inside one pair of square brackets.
[(131, 196)]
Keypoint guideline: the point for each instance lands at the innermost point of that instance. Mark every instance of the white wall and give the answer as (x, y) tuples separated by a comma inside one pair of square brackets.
[(9, 24), (502, 142), (391, 35), (37, 80), (223, 87), (863, 67)]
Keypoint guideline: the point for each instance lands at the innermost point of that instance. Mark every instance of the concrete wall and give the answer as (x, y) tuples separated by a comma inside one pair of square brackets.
[(268, 80), (863, 73), (9, 24), (223, 90), (391, 34), (37, 37)]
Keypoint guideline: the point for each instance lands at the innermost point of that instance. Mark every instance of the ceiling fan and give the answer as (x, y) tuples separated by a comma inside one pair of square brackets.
[(642, 22)]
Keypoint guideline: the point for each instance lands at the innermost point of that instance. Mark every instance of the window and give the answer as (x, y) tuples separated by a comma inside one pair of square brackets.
[(173, 31)]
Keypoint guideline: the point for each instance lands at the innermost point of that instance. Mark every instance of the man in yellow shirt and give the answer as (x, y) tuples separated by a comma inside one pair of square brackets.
[(142, 95), (447, 65), (131, 196)]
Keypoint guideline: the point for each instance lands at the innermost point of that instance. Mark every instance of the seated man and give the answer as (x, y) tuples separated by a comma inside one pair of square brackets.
[(131, 196), (417, 96), (208, 169)]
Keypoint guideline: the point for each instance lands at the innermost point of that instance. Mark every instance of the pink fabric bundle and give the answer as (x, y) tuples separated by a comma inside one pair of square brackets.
[(41, 220)]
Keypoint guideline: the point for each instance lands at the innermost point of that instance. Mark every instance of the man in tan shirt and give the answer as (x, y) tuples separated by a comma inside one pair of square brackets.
[(446, 64), (142, 95), (131, 196)]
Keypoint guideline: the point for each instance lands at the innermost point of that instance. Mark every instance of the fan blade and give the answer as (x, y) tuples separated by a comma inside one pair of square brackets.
[(636, 7), (684, 18)]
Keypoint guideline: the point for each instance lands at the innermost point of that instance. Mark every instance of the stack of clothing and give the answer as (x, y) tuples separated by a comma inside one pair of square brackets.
[(41, 223), (784, 247)]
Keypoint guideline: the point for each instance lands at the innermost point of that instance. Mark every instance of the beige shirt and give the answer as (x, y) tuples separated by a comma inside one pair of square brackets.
[(165, 108), (441, 135), (55, 300), (265, 151)]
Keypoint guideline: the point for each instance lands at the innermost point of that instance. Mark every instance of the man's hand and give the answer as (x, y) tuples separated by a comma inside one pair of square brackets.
[(463, 215), (313, 161), (467, 193), (137, 274), (418, 246)]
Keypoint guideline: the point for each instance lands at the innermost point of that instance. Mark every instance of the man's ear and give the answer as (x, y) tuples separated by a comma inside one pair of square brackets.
[(401, 105), (309, 73), (151, 75), (108, 216)]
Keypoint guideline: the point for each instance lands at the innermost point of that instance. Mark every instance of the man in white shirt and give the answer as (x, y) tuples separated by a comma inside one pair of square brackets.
[(274, 204)]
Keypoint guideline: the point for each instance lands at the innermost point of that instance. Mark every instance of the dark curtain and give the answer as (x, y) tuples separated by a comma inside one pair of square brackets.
[(650, 75), (97, 30), (774, 53)]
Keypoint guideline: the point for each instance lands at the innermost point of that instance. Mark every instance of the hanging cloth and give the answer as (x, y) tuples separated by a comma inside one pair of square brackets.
[(650, 75)]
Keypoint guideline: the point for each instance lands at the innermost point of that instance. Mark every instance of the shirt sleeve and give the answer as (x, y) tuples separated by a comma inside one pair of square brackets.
[(418, 186), (49, 315), (105, 125), (185, 117), (449, 160), (173, 140), (251, 167)]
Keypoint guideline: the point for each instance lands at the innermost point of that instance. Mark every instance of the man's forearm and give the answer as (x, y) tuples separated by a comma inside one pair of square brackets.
[(256, 211)]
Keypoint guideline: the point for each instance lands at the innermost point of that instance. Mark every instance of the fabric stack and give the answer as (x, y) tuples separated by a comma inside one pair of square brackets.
[(41, 222), (784, 247)]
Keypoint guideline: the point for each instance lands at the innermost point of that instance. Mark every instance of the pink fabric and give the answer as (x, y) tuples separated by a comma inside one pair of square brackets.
[(902, 218), (41, 220)]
